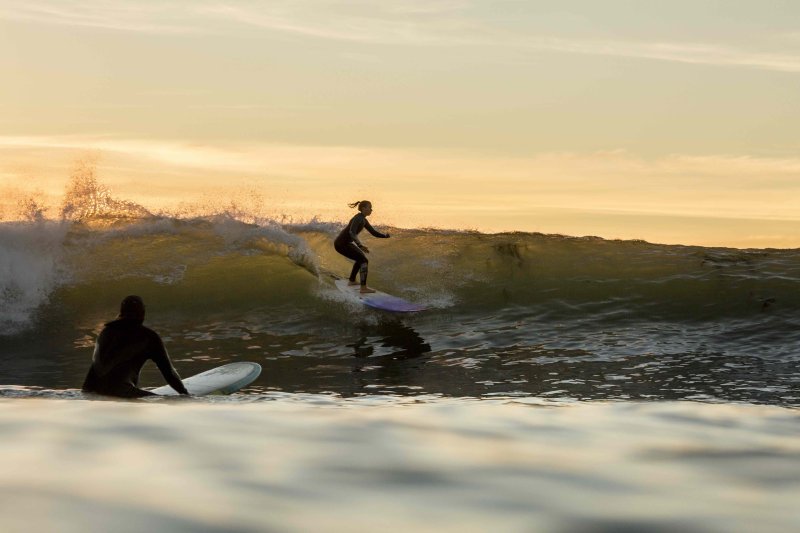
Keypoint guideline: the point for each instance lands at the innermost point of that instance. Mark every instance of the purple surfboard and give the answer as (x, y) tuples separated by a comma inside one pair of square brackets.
[(378, 300)]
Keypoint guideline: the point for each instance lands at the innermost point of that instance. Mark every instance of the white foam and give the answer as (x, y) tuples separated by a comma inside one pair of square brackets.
[(30, 268)]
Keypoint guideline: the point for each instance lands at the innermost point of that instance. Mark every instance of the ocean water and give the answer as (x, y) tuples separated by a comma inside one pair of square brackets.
[(555, 383)]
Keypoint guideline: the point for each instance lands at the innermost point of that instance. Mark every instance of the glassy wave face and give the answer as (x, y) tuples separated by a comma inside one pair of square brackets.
[(513, 314)]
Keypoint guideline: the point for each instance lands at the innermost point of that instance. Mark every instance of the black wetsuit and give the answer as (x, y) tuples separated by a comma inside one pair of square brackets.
[(348, 245), (121, 351)]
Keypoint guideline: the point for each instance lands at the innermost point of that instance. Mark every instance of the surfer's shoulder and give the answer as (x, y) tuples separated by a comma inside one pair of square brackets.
[(130, 326), (150, 333), (359, 220)]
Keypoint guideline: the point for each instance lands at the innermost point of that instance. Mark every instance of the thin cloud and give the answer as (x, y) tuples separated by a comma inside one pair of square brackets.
[(693, 53), (414, 23), (371, 23), (117, 16)]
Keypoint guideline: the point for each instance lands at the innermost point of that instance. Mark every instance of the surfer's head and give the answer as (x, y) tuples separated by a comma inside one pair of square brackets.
[(365, 206), (132, 307)]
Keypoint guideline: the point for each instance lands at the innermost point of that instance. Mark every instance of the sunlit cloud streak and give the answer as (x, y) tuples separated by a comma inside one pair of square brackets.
[(677, 184)]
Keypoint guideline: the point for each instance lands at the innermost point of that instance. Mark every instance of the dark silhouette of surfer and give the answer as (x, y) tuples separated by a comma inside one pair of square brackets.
[(348, 245), (122, 349)]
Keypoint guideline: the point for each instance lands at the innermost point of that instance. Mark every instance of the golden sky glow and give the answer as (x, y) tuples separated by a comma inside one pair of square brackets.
[(670, 122)]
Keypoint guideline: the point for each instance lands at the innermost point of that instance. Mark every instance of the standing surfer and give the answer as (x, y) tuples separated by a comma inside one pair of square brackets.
[(348, 245), (122, 349)]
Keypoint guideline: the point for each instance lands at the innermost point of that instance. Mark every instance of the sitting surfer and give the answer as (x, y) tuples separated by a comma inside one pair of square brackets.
[(122, 349), (348, 245)]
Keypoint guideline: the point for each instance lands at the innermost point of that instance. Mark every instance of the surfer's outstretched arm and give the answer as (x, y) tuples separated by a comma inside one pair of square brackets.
[(373, 231)]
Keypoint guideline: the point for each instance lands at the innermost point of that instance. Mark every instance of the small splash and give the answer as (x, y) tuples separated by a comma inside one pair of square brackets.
[(87, 200)]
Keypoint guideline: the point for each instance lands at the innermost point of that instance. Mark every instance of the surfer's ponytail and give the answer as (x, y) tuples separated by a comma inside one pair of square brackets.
[(357, 205)]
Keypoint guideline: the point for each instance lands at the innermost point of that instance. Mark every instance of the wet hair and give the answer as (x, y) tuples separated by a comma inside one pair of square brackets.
[(358, 204), (131, 307)]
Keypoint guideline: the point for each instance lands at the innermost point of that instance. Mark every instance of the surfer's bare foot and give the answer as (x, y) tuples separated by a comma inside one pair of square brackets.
[(352, 283), (366, 290)]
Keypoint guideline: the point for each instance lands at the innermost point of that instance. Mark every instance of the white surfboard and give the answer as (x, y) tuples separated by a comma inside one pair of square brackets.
[(378, 300), (224, 379)]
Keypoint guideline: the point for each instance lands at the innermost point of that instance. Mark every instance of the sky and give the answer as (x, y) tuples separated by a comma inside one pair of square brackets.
[(674, 122)]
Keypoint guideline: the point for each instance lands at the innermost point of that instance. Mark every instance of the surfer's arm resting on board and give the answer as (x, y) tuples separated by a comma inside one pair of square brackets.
[(162, 361)]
